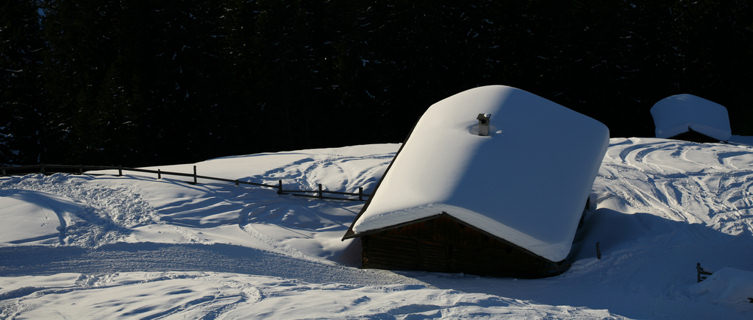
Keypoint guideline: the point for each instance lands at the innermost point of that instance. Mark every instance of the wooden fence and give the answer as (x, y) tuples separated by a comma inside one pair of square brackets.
[(320, 193)]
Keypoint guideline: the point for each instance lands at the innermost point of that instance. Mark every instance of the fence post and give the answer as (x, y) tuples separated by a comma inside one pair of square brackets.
[(194, 174), (598, 251), (360, 193), (701, 273), (279, 186), (159, 174), (320, 191), (120, 171)]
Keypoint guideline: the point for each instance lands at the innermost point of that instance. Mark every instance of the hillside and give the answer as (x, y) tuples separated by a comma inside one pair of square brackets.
[(105, 246)]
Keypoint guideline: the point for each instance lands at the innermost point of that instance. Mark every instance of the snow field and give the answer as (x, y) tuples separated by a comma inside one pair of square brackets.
[(137, 247), (207, 295)]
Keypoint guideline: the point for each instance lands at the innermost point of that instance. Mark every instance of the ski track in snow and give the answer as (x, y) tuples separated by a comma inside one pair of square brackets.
[(202, 295), (125, 257), (136, 247), (89, 214), (336, 172), (696, 183)]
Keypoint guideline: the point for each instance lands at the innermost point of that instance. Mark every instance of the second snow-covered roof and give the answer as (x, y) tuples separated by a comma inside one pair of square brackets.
[(678, 114), (527, 182)]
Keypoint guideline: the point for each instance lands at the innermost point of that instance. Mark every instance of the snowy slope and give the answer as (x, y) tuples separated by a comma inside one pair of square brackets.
[(137, 247)]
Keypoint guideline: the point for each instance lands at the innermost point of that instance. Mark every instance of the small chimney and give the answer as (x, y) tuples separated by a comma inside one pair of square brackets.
[(483, 123)]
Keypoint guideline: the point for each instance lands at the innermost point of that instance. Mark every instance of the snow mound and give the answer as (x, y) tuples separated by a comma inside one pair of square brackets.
[(80, 210), (679, 113), (33, 223), (728, 286)]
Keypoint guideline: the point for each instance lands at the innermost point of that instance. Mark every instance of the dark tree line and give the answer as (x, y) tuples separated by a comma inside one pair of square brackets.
[(138, 82)]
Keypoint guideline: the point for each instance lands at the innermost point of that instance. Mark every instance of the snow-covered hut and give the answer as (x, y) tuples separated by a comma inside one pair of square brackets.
[(689, 117), (505, 204)]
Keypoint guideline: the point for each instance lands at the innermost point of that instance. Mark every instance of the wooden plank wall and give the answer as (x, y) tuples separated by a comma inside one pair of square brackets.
[(444, 244)]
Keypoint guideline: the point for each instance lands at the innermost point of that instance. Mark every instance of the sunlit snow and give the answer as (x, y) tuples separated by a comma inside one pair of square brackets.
[(136, 247)]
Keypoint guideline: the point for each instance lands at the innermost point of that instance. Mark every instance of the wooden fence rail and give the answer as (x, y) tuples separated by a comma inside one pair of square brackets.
[(80, 169)]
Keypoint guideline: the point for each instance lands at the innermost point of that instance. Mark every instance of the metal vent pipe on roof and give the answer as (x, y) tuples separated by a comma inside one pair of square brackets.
[(483, 123)]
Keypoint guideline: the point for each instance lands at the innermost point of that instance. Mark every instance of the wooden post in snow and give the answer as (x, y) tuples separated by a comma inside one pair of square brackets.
[(194, 175), (701, 273), (360, 193), (320, 191), (598, 251), (279, 186), (159, 174)]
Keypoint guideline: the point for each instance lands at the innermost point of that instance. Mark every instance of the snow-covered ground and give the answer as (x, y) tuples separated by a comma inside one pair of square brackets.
[(102, 246)]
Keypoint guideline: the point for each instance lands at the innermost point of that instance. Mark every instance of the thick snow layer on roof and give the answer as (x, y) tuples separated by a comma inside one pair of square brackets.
[(676, 114), (526, 183)]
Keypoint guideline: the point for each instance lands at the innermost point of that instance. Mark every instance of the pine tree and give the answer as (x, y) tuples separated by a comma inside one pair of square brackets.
[(21, 94)]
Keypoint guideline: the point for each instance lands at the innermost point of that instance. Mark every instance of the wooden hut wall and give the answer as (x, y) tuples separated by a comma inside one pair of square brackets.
[(694, 136), (444, 244)]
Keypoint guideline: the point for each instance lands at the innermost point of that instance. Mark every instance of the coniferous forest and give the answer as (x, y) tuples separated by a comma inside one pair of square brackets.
[(136, 82)]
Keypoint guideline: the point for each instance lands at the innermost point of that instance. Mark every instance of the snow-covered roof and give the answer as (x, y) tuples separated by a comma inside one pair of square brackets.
[(527, 182), (678, 114)]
